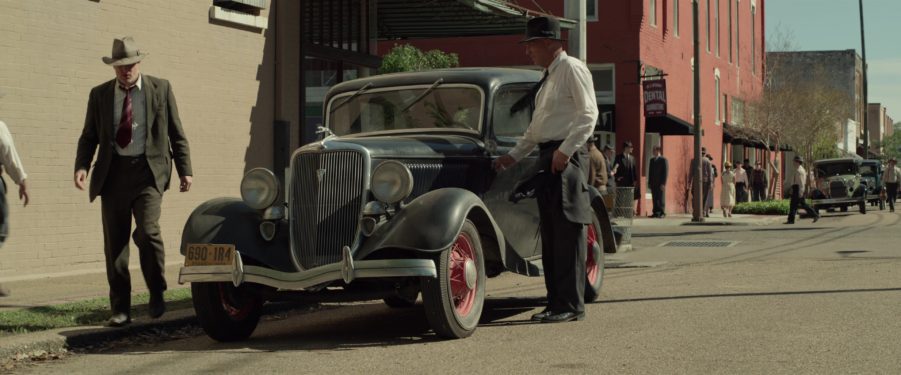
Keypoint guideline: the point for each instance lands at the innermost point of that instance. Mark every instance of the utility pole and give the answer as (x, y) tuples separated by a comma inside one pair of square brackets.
[(866, 104), (696, 183)]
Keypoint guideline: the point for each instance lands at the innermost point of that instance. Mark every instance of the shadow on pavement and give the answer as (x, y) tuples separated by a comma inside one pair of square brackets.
[(760, 294)]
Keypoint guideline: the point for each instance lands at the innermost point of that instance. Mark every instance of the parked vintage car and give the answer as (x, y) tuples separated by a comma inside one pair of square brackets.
[(399, 199), (871, 176), (838, 185)]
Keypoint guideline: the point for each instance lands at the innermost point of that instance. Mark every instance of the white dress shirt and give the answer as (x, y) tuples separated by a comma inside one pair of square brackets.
[(139, 119), (891, 175), (741, 176), (799, 178), (565, 109), (9, 158)]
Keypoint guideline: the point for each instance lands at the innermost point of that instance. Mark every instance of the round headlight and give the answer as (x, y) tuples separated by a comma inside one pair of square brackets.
[(391, 182), (259, 188)]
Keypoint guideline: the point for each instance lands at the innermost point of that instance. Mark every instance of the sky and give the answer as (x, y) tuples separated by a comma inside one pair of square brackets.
[(814, 25)]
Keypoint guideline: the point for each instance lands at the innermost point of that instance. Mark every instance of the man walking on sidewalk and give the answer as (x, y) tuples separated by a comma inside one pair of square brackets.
[(134, 121), (797, 184), (890, 180), (758, 183), (565, 113), (10, 162), (658, 169)]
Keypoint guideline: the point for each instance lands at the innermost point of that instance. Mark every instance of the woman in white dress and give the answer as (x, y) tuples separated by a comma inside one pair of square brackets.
[(727, 197)]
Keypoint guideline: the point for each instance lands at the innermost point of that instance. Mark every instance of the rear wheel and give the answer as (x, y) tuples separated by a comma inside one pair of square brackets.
[(863, 206), (594, 264), (225, 312), (454, 300)]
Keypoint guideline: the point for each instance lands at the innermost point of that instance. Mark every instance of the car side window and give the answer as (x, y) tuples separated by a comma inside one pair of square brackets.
[(512, 113)]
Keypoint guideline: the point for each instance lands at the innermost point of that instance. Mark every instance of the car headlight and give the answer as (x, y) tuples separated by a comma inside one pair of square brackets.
[(391, 182), (259, 188)]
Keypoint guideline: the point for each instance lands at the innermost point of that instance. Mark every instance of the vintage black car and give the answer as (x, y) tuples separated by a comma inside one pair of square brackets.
[(871, 176), (838, 185), (398, 199)]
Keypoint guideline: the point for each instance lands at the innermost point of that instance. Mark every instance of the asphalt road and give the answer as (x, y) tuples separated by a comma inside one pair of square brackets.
[(807, 298)]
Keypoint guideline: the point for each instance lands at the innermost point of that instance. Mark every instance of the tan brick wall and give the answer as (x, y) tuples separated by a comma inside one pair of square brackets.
[(50, 58)]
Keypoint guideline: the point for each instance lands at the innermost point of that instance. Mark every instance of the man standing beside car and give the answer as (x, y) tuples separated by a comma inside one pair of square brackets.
[(890, 181), (797, 183), (134, 121), (564, 117)]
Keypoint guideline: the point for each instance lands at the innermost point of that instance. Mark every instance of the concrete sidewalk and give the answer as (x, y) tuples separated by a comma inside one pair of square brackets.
[(714, 220)]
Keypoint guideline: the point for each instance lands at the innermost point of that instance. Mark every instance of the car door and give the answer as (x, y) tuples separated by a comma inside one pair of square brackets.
[(511, 112)]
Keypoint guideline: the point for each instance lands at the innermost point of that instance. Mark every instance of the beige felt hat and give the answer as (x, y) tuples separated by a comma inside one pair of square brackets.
[(125, 52)]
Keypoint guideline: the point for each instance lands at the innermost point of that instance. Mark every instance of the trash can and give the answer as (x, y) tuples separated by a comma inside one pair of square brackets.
[(623, 213)]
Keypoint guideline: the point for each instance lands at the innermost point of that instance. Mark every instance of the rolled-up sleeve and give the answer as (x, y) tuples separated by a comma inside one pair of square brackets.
[(9, 157), (580, 86)]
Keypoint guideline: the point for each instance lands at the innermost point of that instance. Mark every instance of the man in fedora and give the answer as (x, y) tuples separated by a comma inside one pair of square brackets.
[(627, 170), (134, 121), (10, 162), (890, 179), (564, 116), (796, 183)]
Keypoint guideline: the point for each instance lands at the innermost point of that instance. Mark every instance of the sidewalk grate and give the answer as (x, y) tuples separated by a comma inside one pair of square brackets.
[(699, 243)]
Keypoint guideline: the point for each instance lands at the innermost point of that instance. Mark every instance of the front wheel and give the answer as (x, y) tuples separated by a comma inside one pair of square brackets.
[(594, 264), (225, 312), (454, 300), (863, 206)]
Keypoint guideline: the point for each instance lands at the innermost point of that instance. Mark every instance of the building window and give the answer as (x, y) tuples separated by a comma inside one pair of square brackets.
[(716, 21), (652, 9), (753, 39), (602, 77), (676, 17), (591, 10), (725, 108), (708, 26), (719, 109), (730, 29), (738, 111)]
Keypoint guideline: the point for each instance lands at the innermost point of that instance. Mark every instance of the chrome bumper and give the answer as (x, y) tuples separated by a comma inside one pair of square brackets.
[(817, 202), (348, 270)]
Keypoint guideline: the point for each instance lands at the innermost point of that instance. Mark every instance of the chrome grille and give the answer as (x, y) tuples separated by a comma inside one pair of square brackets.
[(837, 189), (326, 203)]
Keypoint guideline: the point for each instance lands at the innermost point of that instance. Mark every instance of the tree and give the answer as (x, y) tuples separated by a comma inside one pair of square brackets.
[(406, 58)]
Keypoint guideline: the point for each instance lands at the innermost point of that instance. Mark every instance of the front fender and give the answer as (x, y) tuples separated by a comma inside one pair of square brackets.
[(230, 221), (600, 210), (431, 222)]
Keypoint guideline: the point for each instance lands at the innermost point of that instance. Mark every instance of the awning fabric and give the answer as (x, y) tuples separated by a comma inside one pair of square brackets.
[(404, 19), (668, 125)]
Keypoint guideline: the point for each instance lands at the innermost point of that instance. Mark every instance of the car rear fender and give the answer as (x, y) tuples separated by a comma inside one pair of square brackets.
[(230, 221)]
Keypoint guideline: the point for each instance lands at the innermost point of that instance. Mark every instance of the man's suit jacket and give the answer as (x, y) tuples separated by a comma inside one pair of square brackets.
[(626, 173), (165, 137), (658, 170)]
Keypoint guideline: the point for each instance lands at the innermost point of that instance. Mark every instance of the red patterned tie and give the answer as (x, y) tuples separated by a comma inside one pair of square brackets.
[(123, 133)]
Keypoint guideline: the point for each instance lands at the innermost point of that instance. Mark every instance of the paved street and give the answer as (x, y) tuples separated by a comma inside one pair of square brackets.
[(808, 298)]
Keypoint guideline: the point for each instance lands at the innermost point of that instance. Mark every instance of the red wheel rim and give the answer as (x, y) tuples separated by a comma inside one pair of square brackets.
[(591, 264), (233, 312), (462, 294)]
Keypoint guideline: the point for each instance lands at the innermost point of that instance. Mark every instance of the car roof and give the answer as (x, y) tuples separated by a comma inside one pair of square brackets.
[(838, 160), (483, 77)]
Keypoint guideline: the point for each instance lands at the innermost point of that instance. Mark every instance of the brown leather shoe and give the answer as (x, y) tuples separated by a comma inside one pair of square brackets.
[(118, 320)]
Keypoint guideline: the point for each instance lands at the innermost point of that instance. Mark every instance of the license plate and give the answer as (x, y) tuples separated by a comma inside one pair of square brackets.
[(209, 255)]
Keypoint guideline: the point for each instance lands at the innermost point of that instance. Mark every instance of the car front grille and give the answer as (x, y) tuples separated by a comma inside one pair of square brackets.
[(326, 203), (837, 189)]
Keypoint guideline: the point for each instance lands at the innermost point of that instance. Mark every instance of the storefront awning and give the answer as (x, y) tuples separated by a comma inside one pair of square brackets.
[(404, 19), (668, 125)]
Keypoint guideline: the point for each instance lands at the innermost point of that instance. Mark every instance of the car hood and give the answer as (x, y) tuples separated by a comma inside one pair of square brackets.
[(403, 146)]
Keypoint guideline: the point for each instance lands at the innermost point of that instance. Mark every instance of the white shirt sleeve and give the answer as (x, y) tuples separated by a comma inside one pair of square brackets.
[(9, 157), (581, 87), (524, 146)]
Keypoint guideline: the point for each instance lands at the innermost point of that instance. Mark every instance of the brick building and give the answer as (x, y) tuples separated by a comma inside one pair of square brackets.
[(248, 75), (627, 41), (879, 125)]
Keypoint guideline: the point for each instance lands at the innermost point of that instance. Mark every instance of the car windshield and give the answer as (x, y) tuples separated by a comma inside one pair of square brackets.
[(425, 107), (836, 169), (512, 113), (868, 170)]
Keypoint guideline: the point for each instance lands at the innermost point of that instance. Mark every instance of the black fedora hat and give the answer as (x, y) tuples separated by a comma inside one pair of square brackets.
[(542, 28)]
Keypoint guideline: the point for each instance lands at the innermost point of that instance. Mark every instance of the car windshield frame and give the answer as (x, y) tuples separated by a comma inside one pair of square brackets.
[(419, 108), (831, 167)]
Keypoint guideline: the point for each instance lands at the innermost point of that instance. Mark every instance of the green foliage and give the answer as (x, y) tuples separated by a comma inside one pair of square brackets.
[(89, 312), (891, 146), (774, 207), (406, 58)]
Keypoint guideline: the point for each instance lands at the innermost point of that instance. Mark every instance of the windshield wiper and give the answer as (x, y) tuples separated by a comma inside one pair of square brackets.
[(351, 97), (423, 95)]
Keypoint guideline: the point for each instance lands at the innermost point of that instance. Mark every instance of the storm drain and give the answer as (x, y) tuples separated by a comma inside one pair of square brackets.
[(699, 243)]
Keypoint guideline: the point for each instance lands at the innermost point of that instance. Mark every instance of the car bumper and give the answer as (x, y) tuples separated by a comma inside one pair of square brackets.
[(835, 201), (347, 270)]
